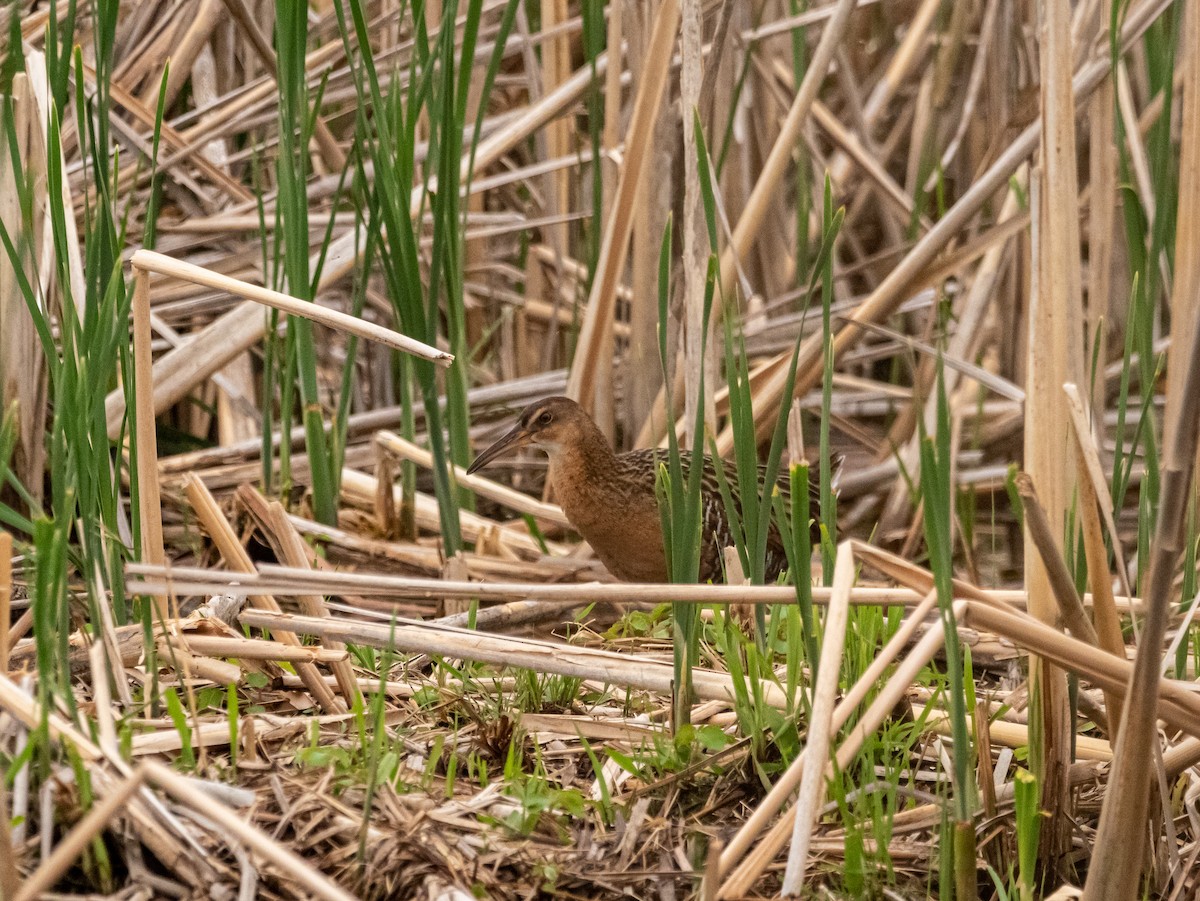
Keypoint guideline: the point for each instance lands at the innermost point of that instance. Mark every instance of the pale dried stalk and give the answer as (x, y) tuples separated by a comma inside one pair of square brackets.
[(23, 377), (485, 487), (1177, 706), (331, 152), (5, 596), (204, 352), (556, 68), (150, 261), (1102, 210), (235, 556), (779, 162), (1055, 353), (146, 441), (272, 521), (1068, 603), (1085, 443), (582, 383), (184, 52), (183, 149), (285, 581), (359, 488), (1104, 608), (527, 653), (1013, 735), (820, 724), (258, 649), (698, 351), (1186, 294)]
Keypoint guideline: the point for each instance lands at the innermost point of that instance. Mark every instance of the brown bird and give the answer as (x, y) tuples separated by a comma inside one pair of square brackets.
[(610, 499)]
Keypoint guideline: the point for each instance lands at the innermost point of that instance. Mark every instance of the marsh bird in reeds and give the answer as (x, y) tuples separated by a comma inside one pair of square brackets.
[(610, 499)]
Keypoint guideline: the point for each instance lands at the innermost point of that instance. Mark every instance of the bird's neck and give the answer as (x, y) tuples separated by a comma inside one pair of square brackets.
[(587, 463)]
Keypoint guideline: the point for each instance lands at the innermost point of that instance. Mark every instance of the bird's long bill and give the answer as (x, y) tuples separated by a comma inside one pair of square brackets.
[(514, 439)]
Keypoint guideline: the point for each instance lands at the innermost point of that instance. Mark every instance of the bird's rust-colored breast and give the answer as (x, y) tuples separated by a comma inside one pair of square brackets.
[(615, 510)]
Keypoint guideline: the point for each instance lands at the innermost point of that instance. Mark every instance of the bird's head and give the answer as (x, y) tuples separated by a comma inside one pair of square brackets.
[(552, 423)]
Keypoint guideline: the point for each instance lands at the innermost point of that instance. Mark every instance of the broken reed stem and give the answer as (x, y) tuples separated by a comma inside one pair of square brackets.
[(820, 725), (275, 526), (1069, 604), (1104, 608), (581, 384), (532, 654), (286, 581), (231, 549), (149, 261), (5, 596), (1177, 706), (146, 441)]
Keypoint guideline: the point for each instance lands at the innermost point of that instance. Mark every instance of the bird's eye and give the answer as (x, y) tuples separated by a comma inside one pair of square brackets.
[(545, 419)]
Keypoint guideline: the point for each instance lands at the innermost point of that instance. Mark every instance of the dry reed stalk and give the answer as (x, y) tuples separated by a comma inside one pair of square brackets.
[(235, 556), (184, 150), (23, 377), (73, 844), (762, 196), (586, 365), (188, 666), (290, 864), (258, 649), (359, 488), (1104, 607), (1186, 293), (10, 879), (1055, 356), (286, 581), (1089, 454), (699, 362), (210, 349), (1102, 183), (1178, 706), (970, 321), (21, 707), (145, 440), (1124, 814), (485, 487), (331, 151), (101, 672), (654, 202), (1062, 585), (820, 725), (5, 597), (185, 50), (556, 69), (272, 521), (779, 161), (205, 352), (527, 653), (150, 261), (1012, 735)]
